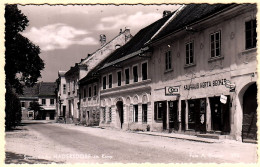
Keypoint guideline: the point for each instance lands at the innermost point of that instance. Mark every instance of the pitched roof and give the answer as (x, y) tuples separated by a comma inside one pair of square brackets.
[(40, 89), (47, 88), (191, 14), (138, 41)]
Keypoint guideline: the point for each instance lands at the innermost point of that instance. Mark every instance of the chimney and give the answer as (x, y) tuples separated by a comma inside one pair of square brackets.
[(127, 34), (102, 39), (166, 13)]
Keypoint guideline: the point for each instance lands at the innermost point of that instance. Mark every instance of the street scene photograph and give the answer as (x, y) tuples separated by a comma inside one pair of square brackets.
[(104, 83)]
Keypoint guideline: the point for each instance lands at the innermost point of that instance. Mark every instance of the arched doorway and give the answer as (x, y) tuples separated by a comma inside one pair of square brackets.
[(120, 112), (249, 128)]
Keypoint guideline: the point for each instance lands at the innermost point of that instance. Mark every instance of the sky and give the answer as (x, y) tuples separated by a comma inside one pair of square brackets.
[(67, 34)]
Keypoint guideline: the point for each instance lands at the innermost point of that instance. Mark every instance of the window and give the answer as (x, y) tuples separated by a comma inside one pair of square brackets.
[(64, 88), (95, 90), (215, 44), (135, 74), (104, 82), (43, 101), (89, 92), (135, 113), (52, 102), (144, 113), (159, 108), (23, 104), (119, 78), (250, 27), (110, 81), (189, 53), (85, 93), (168, 60), (144, 71), (127, 76), (110, 114)]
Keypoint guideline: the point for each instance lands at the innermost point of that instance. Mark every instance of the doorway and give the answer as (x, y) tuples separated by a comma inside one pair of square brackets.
[(173, 115), (220, 114), (120, 111), (249, 128)]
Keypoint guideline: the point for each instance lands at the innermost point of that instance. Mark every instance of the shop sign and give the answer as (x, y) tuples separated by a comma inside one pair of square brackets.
[(223, 99), (205, 84), (172, 90)]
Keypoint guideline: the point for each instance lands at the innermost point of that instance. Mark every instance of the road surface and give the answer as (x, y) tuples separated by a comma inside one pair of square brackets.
[(71, 144)]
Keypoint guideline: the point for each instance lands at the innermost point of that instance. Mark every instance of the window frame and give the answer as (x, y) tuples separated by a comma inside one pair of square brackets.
[(51, 101), (252, 30), (119, 71), (168, 60), (89, 91), (110, 85), (44, 100), (135, 113), (214, 43), (144, 116), (126, 83), (95, 90), (144, 62), (64, 88), (136, 65), (104, 85), (189, 53)]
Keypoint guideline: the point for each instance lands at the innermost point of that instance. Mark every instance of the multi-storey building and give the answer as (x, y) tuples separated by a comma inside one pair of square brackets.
[(44, 94), (122, 82), (204, 72), (192, 72), (71, 102)]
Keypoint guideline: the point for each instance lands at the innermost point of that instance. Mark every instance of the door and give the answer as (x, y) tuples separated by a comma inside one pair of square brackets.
[(173, 115), (220, 114), (249, 128), (183, 115), (119, 106), (162, 109), (197, 115), (64, 111)]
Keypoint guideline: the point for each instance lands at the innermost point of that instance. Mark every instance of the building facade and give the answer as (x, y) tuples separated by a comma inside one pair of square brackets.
[(72, 102), (204, 72), (44, 94)]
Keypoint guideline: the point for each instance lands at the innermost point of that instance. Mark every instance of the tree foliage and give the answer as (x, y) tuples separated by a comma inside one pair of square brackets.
[(23, 64), (12, 108), (36, 107)]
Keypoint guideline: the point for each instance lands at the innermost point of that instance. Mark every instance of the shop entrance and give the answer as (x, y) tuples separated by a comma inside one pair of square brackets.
[(197, 115), (249, 128), (220, 114), (173, 116), (120, 111)]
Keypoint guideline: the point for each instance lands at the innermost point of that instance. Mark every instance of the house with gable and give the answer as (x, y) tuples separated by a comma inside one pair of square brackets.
[(69, 95)]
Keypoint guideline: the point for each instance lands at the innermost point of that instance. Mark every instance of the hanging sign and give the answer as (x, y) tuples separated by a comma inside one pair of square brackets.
[(172, 90), (223, 99)]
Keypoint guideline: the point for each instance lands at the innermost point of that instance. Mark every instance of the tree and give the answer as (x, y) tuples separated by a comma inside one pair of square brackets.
[(36, 107), (22, 62), (12, 108)]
